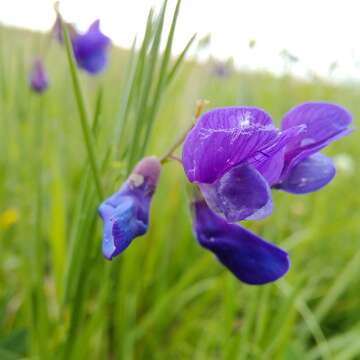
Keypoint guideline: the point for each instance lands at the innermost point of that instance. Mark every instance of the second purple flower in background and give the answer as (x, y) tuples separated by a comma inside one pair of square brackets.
[(91, 49)]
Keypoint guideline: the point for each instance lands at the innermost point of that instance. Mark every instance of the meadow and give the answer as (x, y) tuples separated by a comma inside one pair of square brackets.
[(165, 297)]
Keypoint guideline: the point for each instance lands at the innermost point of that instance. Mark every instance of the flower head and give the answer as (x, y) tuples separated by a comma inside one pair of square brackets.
[(90, 49), (234, 155), (251, 259), (125, 214), (38, 78)]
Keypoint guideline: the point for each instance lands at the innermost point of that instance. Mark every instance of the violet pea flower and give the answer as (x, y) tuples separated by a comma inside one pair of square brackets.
[(125, 214), (91, 49), (234, 155), (38, 78), (251, 259)]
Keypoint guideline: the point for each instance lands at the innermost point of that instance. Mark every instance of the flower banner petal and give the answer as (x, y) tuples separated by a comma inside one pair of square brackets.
[(250, 258), (223, 138)]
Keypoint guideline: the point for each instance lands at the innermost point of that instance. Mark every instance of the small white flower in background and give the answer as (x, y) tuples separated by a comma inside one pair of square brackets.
[(344, 163)]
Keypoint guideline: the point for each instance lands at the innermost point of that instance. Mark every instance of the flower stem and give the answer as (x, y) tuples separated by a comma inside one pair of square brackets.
[(88, 138), (200, 105), (39, 311), (177, 143)]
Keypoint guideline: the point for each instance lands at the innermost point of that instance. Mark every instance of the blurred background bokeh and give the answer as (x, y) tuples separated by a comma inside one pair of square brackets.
[(166, 298)]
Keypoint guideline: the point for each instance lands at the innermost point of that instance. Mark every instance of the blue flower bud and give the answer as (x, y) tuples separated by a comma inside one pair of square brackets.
[(38, 78), (125, 214)]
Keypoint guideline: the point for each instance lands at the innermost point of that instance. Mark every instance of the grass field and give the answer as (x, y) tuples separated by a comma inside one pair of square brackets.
[(165, 297)]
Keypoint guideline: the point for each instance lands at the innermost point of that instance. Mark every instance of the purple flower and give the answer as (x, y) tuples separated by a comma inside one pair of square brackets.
[(38, 78), (90, 49), (234, 155), (221, 69), (125, 214), (305, 169), (251, 259)]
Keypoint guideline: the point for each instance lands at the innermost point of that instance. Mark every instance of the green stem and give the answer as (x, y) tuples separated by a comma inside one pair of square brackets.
[(39, 253), (88, 138), (38, 301), (176, 144)]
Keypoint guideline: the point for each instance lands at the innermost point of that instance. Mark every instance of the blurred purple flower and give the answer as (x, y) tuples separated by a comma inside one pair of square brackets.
[(38, 78), (221, 69), (251, 259), (58, 31), (125, 214), (233, 155), (90, 49)]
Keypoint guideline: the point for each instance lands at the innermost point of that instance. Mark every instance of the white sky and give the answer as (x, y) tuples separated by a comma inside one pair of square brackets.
[(318, 32)]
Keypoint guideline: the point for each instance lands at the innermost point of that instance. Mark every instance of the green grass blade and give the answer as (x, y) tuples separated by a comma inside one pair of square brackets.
[(161, 81), (141, 119), (97, 112), (310, 320), (84, 120), (341, 283), (180, 59)]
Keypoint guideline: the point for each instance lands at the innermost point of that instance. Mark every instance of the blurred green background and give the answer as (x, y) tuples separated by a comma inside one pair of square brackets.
[(165, 297)]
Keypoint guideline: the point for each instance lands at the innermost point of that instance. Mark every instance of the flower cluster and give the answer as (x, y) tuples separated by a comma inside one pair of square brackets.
[(235, 156), (90, 52)]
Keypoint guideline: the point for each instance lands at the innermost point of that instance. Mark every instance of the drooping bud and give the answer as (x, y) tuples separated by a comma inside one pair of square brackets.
[(38, 78), (57, 30), (125, 214)]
